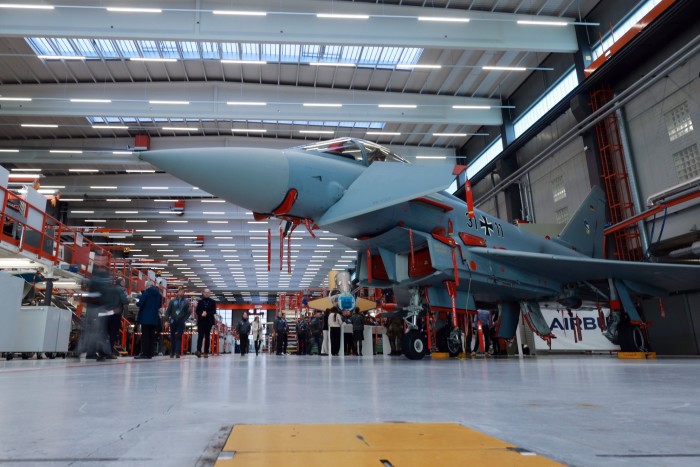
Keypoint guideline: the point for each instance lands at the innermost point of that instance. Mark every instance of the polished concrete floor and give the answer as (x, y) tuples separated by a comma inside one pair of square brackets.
[(582, 411)]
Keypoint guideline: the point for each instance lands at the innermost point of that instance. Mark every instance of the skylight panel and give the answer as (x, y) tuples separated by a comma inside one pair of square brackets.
[(332, 53), (149, 49), (107, 48), (86, 48), (250, 51), (270, 52), (41, 45), (169, 49), (310, 53), (189, 50), (290, 53), (127, 48), (370, 55), (351, 54), (229, 51), (210, 50), (410, 55), (390, 55)]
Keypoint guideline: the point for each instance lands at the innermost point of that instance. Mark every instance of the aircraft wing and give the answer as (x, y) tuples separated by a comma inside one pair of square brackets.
[(568, 269), (385, 184)]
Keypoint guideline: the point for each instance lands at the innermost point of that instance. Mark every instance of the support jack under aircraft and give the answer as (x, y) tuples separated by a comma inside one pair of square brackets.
[(416, 238)]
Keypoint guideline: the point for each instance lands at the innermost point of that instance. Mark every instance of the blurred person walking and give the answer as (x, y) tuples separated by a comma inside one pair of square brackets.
[(257, 328)]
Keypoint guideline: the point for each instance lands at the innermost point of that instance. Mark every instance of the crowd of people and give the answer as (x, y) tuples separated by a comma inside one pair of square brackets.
[(315, 332)]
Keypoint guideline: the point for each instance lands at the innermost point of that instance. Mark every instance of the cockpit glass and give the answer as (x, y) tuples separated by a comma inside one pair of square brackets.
[(377, 153), (353, 148), (342, 147)]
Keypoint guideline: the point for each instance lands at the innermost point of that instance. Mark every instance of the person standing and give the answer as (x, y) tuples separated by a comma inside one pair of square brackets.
[(303, 335), (394, 331), (257, 333), (243, 329), (205, 311), (348, 346), (149, 303), (335, 321), (114, 322), (358, 331), (316, 327), (177, 313), (281, 328), (326, 338)]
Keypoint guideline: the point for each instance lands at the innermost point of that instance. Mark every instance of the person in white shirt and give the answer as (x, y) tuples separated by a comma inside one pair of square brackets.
[(335, 321), (257, 333)]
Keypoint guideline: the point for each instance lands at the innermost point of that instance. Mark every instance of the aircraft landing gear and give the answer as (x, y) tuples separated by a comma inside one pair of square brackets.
[(455, 342), (414, 345)]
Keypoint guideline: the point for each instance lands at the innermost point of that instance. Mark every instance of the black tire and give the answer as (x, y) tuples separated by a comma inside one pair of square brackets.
[(25, 356), (9, 356), (631, 338), (414, 345), (51, 355), (454, 342)]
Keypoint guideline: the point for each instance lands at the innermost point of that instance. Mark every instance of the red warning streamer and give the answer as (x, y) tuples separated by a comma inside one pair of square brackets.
[(469, 198), (281, 248), (413, 256)]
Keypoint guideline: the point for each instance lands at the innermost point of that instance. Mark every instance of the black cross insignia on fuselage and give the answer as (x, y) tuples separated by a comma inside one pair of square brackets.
[(486, 225)]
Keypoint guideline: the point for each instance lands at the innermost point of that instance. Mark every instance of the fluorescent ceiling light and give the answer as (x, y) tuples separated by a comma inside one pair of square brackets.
[(154, 187), (319, 132), (82, 212), (338, 64), (136, 221), (340, 16), (444, 19), (154, 59), (16, 99), (397, 106), (177, 222), (169, 102), (214, 213), (239, 13), (165, 200), (95, 220), (65, 151), (19, 175), (543, 23), (91, 101), (76, 200), (504, 68), (245, 62), (140, 171), (25, 6), (39, 125), (118, 200), (126, 212), (321, 104), (213, 201), (385, 133), (411, 67), (9, 150), (248, 130), (110, 127), (83, 170), (61, 57), (450, 134), (101, 187), (133, 10), (431, 157), (182, 128), (259, 104), (471, 107), (24, 170), (217, 222), (123, 153)]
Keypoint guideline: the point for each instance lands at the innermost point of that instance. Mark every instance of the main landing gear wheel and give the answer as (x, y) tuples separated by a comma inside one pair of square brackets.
[(414, 345), (454, 342), (632, 338)]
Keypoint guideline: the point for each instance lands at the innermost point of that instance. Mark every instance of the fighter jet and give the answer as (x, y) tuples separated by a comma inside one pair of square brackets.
[(416, 238)]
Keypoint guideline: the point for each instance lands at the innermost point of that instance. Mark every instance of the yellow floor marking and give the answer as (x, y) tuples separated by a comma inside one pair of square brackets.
[(401, 444), (636, 355)]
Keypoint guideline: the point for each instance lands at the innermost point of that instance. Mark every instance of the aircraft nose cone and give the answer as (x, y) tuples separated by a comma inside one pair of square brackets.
[(253, 178)]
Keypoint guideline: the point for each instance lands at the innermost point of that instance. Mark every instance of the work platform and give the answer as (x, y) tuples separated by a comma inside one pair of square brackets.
[(585, 411)]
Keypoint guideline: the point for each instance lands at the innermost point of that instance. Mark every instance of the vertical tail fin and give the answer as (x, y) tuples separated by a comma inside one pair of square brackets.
[(584, 231)]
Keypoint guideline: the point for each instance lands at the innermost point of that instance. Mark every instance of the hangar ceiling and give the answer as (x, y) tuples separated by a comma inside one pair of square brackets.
[(414, 75)]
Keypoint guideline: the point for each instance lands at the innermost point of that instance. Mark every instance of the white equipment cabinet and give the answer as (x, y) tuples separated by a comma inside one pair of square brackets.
[(11, 289), (43, 329)]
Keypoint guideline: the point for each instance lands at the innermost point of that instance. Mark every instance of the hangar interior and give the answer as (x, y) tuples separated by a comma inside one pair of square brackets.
[(541, 100)]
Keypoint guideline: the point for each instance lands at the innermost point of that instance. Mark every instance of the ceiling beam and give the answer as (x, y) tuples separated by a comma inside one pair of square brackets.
[(295, 22), (208, 100)]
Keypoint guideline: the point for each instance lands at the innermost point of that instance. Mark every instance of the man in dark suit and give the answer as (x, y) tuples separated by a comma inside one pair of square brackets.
[(149, 305), (206, 310)]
